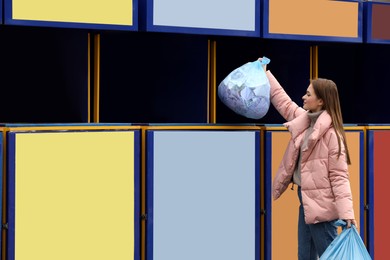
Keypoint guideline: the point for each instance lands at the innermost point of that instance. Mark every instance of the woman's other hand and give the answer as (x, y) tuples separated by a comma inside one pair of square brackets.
[(351, 221)]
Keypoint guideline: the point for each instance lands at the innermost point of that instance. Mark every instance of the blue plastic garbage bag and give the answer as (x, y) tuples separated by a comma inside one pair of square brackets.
[(348, 245), (246, 90)]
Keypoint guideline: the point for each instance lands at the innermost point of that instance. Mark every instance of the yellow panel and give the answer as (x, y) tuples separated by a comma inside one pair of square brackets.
[(116, 12), (285, 209), (74, 196), (314, 17)]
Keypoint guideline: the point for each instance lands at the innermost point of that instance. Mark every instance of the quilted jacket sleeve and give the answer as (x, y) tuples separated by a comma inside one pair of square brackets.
[(281, 101), (339, 179)]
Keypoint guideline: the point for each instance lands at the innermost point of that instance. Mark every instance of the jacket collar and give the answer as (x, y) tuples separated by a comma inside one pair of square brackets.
[(299, 124)]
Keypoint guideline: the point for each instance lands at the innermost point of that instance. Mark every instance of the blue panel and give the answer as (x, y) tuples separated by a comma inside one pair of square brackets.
[(267, 34), (368, 24), (257, 194), (203, 196), (363, 186), (11, 196), (1, 11), (180, 27), (268, 196), (150, 192), (9, 20)]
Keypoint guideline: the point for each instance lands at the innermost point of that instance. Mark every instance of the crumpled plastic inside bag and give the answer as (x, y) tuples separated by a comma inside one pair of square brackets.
[(246, 90)]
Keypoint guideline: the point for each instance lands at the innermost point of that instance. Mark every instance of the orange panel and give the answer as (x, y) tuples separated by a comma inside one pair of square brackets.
[(353, 139), (314, 17), (285, 209)]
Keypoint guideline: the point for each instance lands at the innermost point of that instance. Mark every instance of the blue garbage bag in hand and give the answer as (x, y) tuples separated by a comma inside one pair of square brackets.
[(347, 245), (246, 90)]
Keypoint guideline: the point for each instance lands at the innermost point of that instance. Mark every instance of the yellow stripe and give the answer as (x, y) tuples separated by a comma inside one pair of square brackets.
[(203, 128), (89, 78), (212, 87), (4, 199), (349, 128), (354, 128), (96, 78), (72, 128), (184, 127), (275, 128), (314, 62), (378, 127)]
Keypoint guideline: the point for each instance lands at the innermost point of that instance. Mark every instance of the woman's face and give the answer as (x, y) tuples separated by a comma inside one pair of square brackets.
[(310, 100)]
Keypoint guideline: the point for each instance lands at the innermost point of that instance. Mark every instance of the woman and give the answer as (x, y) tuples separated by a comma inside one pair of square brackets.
[(316, 160)]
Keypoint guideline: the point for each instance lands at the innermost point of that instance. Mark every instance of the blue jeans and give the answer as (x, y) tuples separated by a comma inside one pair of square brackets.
[(313, 239)]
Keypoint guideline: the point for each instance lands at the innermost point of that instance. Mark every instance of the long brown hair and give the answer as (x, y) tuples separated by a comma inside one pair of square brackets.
[(326, 90)]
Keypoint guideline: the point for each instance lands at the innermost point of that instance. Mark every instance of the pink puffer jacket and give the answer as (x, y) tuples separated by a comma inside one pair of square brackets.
[(326, 191)]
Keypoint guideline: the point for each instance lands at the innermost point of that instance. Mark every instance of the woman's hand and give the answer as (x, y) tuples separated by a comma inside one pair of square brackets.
[(351, 221)]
